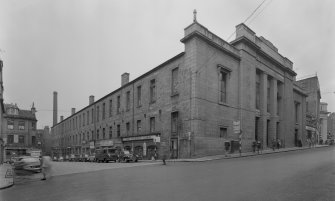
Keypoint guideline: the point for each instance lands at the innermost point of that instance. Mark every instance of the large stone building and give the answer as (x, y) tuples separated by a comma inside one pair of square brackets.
[(2, 110), (188, 105), (19, 130), (312, 88)]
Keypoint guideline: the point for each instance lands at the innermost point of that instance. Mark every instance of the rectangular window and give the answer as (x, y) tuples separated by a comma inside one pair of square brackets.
[(21, 139), (118, 104), (174, 122), (128, 101), (88, 117), (83, 119), (92, 118), (103, 133), (98, 134), (152, 124), (256, 127), (139, 96), (223, 86), (10, 139), (110, 107), (139, 126), (92, 135), (174, 85), (10, 124), (33, 140), (128, 128), (110, 132), (268, 95), (223, 132), (258, 90), (98, 113), (103, 111), (21, 125), (79, 120), (152, 91), (118, 131)]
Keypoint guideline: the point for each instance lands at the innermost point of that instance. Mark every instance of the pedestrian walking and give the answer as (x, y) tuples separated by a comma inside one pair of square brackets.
[(46, 166), (274, 143)]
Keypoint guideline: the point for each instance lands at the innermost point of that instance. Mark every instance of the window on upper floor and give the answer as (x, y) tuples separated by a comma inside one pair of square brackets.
[(152, 91), (224, 74), (10, 139), (118, 131), (110, 132), (152, 124), (10, 124), (118, 106), (21, 139), (128, 128), (98, 134), (223, 132), (21, 125), (103, 133), (103, 110), (84, 119), (88, 117), (174, 82), (110, 107), (128, 100), (268, 95), (258, 89), (98, 113), (139, 126), (92, 116), (139, 96)]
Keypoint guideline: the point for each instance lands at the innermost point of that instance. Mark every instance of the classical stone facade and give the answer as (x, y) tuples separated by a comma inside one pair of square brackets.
[(188, 105)]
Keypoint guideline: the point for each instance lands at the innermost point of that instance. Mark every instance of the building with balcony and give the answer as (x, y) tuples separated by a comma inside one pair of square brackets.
[(19, 130), (211, 93)]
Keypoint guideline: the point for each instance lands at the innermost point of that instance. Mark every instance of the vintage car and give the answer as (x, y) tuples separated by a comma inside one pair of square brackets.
[(28, 164), (127, 156)]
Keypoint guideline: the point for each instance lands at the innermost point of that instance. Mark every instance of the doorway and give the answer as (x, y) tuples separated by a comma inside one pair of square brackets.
[(174, 148)]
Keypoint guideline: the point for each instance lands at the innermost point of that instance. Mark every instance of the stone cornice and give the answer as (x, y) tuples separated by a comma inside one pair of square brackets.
[(211, 42), (261, 52)]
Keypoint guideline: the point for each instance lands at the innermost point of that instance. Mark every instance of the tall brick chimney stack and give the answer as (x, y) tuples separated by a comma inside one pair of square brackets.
[(73, 110), (124, 78), (91, 100), (55, 108)]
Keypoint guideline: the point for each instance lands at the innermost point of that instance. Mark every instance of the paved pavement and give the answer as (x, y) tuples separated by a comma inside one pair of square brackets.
[(307, 175)]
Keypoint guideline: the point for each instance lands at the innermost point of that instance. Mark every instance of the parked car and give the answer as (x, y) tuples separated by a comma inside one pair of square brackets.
[(74, 157), (61, 158), (28, 163), (106, 155), (83, 157), (91, 158), (127, 156)]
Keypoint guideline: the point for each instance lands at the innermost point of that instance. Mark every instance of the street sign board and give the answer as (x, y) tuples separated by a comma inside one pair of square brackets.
[(236, 127)]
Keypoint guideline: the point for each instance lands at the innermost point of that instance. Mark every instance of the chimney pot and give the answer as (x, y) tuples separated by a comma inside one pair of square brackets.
[(73, 110), (124, 79), (91, 100)]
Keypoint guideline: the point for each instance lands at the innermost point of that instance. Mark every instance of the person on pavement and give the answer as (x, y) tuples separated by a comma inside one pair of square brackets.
[(46, 166)]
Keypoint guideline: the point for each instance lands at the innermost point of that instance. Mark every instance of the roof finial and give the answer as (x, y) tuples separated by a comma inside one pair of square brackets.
[(194, 15)]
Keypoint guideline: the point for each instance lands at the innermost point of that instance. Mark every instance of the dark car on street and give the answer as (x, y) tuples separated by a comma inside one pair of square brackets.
[(127, 156), (106, 156)]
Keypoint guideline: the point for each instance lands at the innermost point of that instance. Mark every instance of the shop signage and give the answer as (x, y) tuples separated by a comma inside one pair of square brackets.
[(92, 145), (236, 127), (148, 137), (106, 143)]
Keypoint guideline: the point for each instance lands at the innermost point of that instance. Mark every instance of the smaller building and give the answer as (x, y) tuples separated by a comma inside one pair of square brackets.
[(323, 122), (19, 130), (312, 89), (331, 126)]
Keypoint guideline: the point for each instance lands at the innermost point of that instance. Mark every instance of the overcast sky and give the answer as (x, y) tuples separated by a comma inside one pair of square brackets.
[(81, 47)]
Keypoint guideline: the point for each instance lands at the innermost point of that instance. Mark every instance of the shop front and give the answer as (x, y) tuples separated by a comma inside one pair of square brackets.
[(146, 147)]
